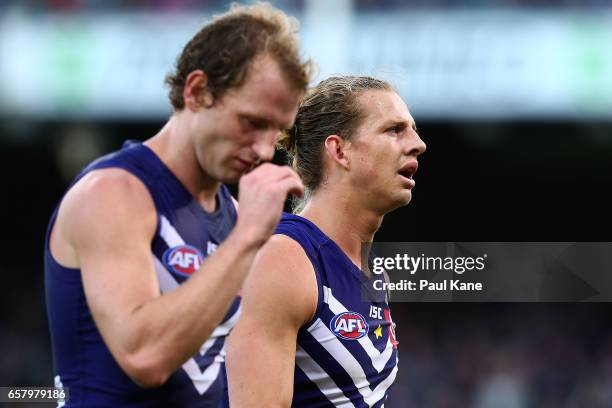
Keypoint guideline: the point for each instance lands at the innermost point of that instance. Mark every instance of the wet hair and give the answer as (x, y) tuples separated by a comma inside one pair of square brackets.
[(225, 48), (330, 108)]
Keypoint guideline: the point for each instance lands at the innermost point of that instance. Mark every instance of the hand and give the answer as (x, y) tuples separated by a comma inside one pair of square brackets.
[(261, 197)]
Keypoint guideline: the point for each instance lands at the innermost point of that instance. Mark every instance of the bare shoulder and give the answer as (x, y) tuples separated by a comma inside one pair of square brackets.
[(109, 184), (284, 260), (283, 275), (286, 253), (102, 199)]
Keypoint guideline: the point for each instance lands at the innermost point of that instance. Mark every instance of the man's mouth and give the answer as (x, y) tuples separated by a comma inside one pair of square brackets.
[(408, 170), (248, 165), (406, 173)]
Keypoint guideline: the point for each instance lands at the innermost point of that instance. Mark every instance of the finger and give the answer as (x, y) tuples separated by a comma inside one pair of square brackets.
[(291, 185), (263, 170), (282, 172)]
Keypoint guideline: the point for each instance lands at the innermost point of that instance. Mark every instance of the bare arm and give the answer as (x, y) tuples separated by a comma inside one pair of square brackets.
[(109, 220), (279, 297)]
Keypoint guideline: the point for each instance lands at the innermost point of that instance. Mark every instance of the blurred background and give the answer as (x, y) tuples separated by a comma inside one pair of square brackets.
[(513, 97)]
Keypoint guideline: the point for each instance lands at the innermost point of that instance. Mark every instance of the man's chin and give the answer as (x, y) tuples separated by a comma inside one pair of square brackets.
[(231, 176), (408, 197), (394, 202), (231, 179), (401, 200)]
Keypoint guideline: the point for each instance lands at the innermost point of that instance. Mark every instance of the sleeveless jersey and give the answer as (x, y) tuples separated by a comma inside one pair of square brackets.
[(186, 234), (346, 355)]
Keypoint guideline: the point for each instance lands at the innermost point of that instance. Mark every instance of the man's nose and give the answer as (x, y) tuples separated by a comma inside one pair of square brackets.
[(416, 146), (264, 144)]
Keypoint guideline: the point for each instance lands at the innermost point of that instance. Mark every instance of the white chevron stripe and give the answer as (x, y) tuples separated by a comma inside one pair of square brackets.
[(226, 327), (323, 381), (167, 283), (379, 391), (202, 380), (379, 360), (221, 331), (172, 238), (330, 342), (341, 355), (168, 233)]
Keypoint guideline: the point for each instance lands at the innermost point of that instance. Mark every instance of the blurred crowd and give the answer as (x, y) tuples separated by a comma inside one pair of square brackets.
[(476, 4), (503, 356), (177, 5), (149, 5), (452, 355)]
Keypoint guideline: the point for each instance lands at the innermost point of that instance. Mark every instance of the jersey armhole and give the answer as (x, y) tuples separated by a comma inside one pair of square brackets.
[(54, 215), (147, 186), (317, 312)]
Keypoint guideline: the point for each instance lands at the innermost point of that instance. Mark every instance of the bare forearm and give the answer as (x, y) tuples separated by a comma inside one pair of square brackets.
[(172, 327)]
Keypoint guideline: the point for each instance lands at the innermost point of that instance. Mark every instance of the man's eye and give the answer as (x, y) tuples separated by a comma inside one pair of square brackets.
[(394, 129), (256, 124)]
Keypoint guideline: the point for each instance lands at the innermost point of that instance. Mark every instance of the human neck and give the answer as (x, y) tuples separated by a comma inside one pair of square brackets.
[(175, 149), (343, 220)]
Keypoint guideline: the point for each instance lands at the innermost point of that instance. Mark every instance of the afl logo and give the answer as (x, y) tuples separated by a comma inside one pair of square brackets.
[(183, 259), (349, 326)]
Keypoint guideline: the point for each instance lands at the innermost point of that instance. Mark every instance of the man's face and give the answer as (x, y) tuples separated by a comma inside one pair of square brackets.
[(243, 125), (383, 151)]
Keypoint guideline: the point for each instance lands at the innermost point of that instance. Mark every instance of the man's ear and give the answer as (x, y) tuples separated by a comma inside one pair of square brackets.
[(196, 94), (337, 148)]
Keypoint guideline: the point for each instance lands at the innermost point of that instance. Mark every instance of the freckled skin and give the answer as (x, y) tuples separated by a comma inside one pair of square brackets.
[(376, 154)]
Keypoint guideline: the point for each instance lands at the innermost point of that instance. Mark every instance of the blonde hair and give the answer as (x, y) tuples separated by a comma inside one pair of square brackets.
[(225, 48), (330, 108)]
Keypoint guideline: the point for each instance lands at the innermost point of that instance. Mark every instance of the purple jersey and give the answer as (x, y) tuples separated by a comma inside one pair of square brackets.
[(186, 234), (346, 355)]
